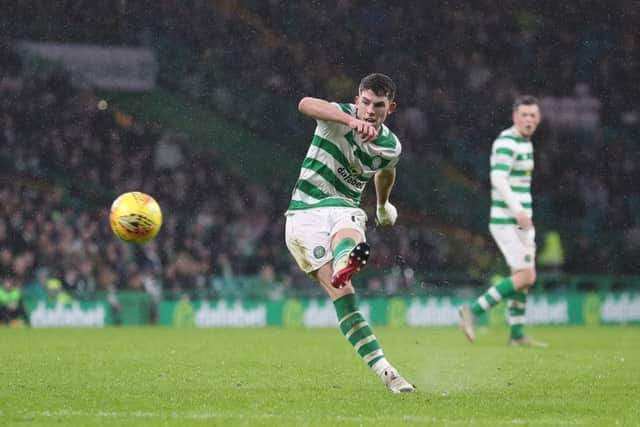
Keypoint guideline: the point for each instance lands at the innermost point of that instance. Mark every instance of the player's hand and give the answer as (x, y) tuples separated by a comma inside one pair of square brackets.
[(366, 130), (386, 215), (524, 221)]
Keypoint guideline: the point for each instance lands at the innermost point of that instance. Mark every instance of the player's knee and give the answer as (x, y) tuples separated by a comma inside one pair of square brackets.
[(530, 277), (524, 279), (340, 292)]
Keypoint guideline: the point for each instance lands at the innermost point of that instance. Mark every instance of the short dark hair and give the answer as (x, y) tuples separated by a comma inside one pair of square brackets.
[(380, 84), (524, 100)]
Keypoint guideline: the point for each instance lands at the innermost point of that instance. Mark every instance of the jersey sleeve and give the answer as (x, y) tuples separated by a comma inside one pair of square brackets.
[(503, 154), (393, 154), (328, 128)]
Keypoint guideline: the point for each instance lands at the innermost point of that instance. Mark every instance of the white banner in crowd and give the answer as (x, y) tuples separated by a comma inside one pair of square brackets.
[(105, 67)]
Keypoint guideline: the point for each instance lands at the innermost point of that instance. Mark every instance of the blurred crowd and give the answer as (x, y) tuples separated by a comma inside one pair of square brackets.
[(458, 68), (65, 156), (64, 161)]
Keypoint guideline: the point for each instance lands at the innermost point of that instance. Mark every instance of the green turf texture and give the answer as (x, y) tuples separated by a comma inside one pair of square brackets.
[(153, 376)]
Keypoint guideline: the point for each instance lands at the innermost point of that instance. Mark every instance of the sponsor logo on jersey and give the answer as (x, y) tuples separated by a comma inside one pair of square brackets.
[(350, 179)]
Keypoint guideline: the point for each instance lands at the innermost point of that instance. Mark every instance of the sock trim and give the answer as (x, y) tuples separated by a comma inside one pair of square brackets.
[(360, 334), (345, 304), (374, 361), (369, 357), (520, 296), (355, 328), (347, 316), (516, 304), (364, 341), (516, 320), (495, 294)]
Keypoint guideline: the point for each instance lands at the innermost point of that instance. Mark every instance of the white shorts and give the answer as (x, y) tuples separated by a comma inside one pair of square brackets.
[(518, 246), (308, 233)]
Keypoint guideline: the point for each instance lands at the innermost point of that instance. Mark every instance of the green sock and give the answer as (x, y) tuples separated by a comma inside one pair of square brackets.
[(356, 329), (341, 253), (493, 296), (517, 307)]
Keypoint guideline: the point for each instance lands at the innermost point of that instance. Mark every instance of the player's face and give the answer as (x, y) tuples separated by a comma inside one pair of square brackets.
[(373, 108), (526, 119)]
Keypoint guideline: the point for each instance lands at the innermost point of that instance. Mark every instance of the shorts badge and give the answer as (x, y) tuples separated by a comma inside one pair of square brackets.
[(319, 252)]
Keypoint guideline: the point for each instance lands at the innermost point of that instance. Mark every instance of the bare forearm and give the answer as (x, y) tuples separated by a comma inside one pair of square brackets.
[(384, 181), (320, 109)]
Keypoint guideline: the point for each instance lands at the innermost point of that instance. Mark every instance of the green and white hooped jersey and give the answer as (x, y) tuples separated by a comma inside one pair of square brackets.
[(338, 164), (512, 156)]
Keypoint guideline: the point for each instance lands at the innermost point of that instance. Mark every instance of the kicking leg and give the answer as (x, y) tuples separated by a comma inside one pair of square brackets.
[(350, 254), (358, 332)]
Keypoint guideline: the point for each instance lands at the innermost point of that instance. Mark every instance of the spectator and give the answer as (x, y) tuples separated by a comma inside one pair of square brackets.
[(12, 311)]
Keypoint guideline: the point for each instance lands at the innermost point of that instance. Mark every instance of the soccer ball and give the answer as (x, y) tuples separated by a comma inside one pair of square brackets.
[(135, 217)]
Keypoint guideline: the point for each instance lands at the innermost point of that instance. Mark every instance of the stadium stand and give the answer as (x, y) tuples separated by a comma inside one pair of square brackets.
[(60, 174)]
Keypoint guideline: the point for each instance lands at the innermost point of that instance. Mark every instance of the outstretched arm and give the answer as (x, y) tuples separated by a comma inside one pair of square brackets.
[(386, 213), (320, 109)]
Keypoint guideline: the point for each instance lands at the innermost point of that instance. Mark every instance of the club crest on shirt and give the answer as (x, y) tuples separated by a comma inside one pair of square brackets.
[(319, 252)]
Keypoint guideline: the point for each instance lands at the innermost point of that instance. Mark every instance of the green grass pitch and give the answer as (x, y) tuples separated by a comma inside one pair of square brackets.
[(155, 376)]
